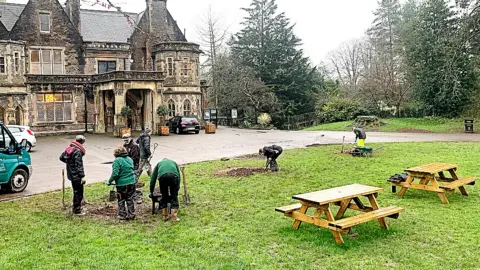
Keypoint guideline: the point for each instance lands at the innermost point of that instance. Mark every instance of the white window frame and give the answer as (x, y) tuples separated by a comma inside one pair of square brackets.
[(4, 65), (172, 111), (63, 102), (189, 107), (16, 62), (49, 14), (170, 71), (186, 67), (52, 59)]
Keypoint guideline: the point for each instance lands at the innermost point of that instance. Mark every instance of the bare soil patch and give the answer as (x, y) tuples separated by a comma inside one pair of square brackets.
[(241, 172)]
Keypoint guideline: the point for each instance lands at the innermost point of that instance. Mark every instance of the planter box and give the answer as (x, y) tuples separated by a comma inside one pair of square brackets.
[(210, 129), (163, 131)]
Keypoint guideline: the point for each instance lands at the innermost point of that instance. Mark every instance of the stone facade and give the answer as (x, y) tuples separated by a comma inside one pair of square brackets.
[(68, 69)]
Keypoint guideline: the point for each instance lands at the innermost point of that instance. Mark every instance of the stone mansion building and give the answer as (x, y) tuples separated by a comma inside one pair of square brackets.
[(63, 68)]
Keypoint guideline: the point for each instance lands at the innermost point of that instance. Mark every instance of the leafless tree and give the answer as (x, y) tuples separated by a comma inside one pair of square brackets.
[(238, 86), (347, 63), (212, 35)]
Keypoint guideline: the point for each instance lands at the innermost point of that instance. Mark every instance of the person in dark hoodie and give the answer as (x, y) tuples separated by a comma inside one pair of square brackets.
[(144, 142), (133, 151), (272, 153), (73, 158), (123, 175)]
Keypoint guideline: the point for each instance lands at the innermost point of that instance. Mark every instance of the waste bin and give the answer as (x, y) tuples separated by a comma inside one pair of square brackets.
[(468, 125)]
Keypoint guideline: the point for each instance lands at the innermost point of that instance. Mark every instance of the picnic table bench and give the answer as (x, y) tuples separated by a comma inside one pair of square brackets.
[(432, 177), (346, 197)]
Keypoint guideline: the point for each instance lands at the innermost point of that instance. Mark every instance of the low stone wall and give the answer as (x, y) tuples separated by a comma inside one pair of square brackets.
[(57, 129)]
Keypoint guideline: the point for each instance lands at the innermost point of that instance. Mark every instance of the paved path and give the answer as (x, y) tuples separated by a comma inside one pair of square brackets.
[(194, 148)]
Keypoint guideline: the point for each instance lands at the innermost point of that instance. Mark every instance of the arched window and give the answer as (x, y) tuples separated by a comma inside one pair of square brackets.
[(171, 107), (187, 108), (19, 115)]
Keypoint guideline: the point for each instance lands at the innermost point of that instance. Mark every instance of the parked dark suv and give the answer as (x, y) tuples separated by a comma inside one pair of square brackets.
[(184, 124)]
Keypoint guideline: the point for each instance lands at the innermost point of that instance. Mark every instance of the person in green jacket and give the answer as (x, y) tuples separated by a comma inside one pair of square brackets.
[(168, 175), (123, 174)]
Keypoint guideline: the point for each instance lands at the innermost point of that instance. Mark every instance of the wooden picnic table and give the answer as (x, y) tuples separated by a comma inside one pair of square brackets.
[(346, 197), (432, 177)]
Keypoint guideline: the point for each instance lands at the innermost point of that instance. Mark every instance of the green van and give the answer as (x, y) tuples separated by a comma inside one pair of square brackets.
[(15, 162)]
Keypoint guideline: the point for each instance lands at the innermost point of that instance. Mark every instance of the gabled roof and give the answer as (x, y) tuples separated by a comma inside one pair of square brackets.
[(9, 14), (97, 25), (106, 26)]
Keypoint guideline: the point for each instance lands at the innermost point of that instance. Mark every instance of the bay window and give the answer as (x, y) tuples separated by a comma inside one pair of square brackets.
[(54, 107)]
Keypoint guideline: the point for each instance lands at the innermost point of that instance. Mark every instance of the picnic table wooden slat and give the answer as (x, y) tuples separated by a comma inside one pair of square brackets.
[(337, 194), (433, 168)]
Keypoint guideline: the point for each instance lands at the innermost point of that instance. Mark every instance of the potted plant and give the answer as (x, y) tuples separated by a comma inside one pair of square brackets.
[(126, 112), (162, 112)]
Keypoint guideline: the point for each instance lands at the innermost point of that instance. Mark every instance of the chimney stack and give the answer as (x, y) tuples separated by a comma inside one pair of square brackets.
[(73, 12)]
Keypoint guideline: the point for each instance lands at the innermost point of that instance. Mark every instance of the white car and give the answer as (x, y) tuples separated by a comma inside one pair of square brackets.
[(23, 132)]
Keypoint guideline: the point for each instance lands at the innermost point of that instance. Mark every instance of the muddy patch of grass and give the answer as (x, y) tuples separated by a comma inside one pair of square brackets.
[(241, 172)]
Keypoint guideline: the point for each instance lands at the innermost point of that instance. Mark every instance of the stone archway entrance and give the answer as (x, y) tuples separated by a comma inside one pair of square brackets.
[(139, 101)]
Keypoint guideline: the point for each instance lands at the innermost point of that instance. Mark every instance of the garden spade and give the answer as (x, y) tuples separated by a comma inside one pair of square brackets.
[(186, 196)]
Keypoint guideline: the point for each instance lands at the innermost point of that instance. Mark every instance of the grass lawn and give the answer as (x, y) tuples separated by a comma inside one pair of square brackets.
[(438, 125), (232, 223)]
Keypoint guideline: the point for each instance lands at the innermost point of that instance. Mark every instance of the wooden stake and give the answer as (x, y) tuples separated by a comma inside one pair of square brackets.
[(63, 189)]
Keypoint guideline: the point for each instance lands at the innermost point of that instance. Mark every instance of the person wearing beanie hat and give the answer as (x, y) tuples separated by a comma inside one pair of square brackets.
[(144, 142), (73, 158)]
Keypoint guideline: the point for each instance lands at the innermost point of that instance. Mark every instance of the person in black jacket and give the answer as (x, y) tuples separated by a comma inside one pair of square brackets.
[(360, 136), (272, 153), (144, 142), (73, 157), (133, 151)]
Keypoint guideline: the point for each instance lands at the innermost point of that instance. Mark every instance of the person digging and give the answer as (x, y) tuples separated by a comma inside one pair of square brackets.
[(133, 151), (272, 153), (167, 173), (123, 174), (360, 136)]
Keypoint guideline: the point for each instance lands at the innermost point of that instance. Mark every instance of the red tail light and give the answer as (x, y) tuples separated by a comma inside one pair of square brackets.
[(29, 132), (183, 123), (196, 123)]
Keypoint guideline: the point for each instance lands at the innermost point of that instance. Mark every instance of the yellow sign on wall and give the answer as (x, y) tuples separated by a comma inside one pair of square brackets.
[(49, 98)]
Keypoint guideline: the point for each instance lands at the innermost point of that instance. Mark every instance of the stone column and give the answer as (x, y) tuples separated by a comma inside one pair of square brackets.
[(148, 110), (98, 99), (118, 120)]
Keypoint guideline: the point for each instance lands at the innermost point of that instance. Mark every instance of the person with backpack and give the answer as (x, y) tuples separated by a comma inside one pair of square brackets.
[(272, 153), (73, 158), (123, 175)]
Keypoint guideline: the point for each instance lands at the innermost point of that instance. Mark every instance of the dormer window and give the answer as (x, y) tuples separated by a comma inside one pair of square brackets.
[(44, 22)]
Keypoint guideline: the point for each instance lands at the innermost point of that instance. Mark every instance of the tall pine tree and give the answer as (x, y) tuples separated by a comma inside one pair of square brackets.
[(387, 68), (268, 45), (440, 66)]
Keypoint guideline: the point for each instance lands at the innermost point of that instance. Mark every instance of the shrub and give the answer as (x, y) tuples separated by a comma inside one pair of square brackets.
[(264, 119), (340, 109)]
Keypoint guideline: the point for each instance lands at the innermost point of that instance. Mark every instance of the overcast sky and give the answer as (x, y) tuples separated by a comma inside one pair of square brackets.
[(321, 24)]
